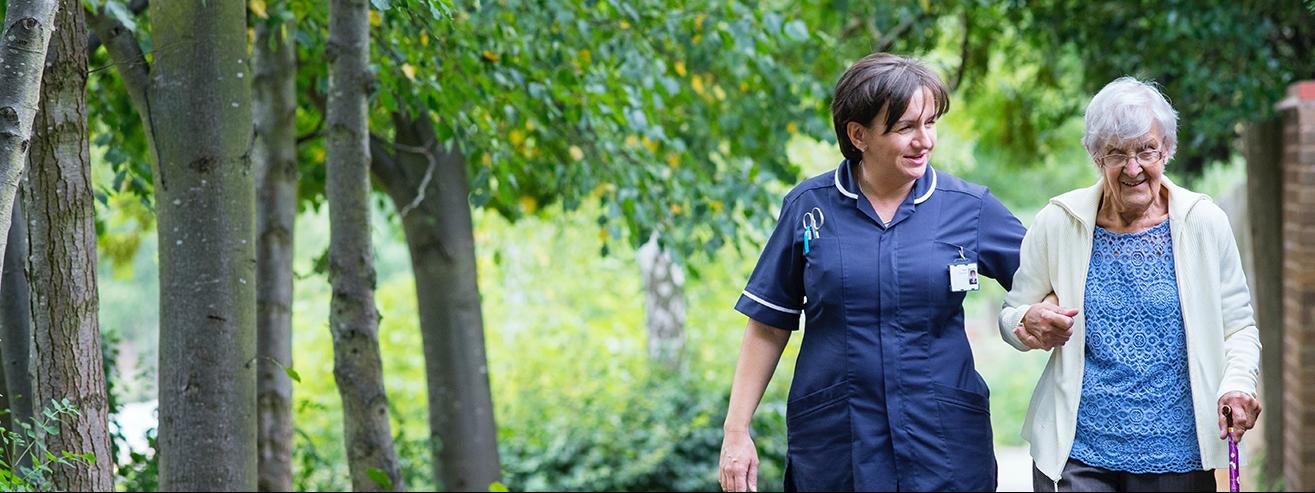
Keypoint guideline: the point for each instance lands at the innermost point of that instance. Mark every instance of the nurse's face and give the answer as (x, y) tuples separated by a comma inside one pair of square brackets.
[(906, 149)]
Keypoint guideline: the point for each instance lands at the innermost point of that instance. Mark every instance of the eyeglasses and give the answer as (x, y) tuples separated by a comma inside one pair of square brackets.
[(1144, 158)]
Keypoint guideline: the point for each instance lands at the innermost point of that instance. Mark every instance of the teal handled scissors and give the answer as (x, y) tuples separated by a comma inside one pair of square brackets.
[(813, 221)]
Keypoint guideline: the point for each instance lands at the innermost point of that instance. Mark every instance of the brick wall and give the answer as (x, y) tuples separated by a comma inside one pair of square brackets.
[(1298, 350)]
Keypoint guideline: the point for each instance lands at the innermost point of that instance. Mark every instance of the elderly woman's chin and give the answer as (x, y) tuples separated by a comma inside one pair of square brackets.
[(1135, 194)]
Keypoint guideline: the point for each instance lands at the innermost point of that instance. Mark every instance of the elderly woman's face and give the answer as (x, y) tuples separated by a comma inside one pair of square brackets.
[(1132, 172)]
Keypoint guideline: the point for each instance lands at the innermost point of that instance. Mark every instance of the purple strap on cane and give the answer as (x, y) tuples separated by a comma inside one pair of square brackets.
[(1233, 467)]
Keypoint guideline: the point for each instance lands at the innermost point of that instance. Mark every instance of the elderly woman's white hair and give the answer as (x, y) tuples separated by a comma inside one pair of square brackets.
[(1124, 110)]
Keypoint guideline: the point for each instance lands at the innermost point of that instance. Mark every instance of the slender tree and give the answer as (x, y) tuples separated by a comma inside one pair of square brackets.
[(353, 318), (274, 156), (429, 185), (24, 39), (16, 323), (195, 104), (62, 261)]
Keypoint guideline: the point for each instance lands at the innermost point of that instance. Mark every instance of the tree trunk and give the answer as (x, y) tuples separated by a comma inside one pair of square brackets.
[(441, 240), (1262, 145), (664, 304), (353, 319), (200, 115), (16, 323), (275, 159), (62, 263), (24, 38)]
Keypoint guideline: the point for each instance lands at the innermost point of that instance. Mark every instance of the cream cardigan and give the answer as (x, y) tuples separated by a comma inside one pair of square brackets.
[(1223, 344)]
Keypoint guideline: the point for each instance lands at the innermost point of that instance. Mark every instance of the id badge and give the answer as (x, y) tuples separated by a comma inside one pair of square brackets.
[(963, 277)]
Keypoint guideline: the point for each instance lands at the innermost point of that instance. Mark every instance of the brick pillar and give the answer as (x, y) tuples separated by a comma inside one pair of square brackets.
[(1299, 285)]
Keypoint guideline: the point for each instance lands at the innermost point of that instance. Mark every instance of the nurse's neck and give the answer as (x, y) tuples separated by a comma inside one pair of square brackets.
[(886, 189)]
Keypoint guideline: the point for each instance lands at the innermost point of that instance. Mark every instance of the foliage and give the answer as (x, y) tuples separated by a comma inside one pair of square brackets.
[(26, 464), (1220, 62), (660, 433), (136, 470), (654, 108)]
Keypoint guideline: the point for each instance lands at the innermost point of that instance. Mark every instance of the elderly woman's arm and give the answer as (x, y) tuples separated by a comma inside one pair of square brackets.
[(1031, 283), (1030, 318), (1237, 390)]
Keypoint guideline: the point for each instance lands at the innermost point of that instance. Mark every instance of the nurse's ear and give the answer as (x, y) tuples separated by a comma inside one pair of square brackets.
[(858, 135)]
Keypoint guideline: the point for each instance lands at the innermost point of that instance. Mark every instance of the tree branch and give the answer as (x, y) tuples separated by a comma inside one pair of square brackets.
[(424, 182), (963, 52), (887, 40), (128, 57), (136, 7)]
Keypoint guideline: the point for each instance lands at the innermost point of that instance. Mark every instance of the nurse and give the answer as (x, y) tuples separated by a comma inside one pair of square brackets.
[(877, 257)]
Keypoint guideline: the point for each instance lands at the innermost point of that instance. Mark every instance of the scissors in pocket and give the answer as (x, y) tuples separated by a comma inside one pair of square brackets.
[(813, 221)]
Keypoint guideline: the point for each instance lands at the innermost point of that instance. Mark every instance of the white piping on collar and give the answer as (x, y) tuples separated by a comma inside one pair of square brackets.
[(930, 190), (919, 200), (840, 187)]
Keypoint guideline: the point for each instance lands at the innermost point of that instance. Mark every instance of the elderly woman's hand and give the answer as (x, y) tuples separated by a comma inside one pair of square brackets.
[(739, 462), (1245, 410), (1046, 325)]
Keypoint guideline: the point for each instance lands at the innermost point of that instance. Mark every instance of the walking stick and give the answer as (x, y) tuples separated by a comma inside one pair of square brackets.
[(1232, 452)]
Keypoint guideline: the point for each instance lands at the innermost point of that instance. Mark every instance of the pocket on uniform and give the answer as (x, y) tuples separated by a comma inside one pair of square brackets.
[(970, 400), (819, 441), (965, 420)]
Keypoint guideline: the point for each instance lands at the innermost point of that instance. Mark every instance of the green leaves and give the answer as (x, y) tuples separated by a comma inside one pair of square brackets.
[(636, 105), (25, 444), (380, 478)]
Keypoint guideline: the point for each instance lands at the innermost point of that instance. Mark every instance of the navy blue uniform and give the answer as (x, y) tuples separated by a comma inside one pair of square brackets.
[(885, 395)]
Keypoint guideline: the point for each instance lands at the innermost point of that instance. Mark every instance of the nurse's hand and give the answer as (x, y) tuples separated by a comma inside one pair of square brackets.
[(739, 462), (1245, 411), (1046, 326)]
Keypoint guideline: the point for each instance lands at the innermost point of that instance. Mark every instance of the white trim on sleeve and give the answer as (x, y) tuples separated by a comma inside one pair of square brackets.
[(769, 304)]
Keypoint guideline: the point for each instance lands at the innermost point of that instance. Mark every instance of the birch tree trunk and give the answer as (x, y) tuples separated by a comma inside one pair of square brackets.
[(67, 358), (353, 319), (664, 304), (199, 115), (24, 38), (275, 160)]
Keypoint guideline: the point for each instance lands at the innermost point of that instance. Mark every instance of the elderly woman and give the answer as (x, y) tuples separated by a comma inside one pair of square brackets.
[(877, 257), (1164, 338)]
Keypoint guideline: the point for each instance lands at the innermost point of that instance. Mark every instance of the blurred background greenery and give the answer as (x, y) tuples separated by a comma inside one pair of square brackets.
[(579, 404)]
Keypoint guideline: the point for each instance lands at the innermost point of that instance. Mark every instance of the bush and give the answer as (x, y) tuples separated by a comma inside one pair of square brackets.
[(661, 434)]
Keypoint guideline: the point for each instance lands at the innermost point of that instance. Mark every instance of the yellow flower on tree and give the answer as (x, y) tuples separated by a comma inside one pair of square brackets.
[(258, 7), (528, 204)]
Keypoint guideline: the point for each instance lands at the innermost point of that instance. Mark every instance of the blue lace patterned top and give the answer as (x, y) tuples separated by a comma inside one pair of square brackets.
[(1135, 413)]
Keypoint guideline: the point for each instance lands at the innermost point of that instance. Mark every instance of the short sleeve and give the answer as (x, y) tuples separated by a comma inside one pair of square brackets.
[(774, 294), (1000, 235)]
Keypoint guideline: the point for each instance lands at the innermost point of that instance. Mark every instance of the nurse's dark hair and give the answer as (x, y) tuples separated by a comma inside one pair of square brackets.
[(876, 82)]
